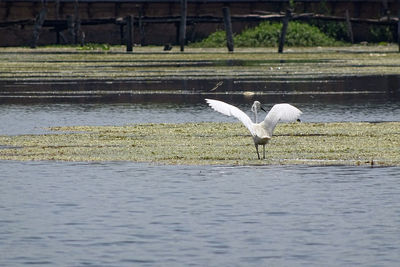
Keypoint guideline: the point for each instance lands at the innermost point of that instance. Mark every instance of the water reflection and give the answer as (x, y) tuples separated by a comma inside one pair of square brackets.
[(347, 89), (30, 107)]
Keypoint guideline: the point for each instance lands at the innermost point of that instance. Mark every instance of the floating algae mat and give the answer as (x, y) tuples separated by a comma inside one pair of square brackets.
[(212, 143)]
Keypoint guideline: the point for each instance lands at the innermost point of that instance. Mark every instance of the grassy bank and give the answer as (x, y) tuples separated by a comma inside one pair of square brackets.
[(151, 63), (212, 143)]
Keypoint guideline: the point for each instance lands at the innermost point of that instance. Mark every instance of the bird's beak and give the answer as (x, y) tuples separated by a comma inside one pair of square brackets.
[(263, 109)]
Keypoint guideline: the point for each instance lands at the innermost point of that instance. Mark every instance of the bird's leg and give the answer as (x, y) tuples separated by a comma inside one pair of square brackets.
[(258, 154), (264, 151)]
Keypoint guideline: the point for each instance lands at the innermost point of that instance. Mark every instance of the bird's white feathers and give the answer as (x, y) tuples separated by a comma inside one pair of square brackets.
[(285, 112), (230, 110), (279, 112)]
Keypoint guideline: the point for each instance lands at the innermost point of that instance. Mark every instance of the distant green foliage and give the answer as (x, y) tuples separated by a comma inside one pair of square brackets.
[(382, 33), (302, 34), (336, 30), (93, 46), (216, 39), (266, 34)]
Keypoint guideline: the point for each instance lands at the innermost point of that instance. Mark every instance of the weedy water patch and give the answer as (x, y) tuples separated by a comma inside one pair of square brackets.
[(212, 143)]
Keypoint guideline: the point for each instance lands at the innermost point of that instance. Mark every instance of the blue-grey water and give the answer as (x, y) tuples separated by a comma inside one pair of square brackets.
[(127, 214), (130, 214), (35, 118)]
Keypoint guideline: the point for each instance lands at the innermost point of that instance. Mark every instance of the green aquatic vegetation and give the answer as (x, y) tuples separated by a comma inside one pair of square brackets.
[(212, 143)]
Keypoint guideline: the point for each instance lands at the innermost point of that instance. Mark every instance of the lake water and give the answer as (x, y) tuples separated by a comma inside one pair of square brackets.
[(35, 118), (131, 214), (127, 214)]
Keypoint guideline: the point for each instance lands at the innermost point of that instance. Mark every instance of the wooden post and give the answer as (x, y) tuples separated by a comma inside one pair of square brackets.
[(71, 28), (129, 33), (386, 10), (121, 33), (284, 29), (398, 23), (38, 26), (228, 28), (83, 39), (57, 18), (182, 27), (77, 22), (349, 28), (141, 27)]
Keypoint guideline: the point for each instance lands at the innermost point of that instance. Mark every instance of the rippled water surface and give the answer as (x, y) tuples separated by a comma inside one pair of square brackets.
[(130, 214), (22, 119), (122, 214)]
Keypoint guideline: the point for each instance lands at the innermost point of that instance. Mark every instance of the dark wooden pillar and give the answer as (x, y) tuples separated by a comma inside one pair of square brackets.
[(141, 26), (71, 28), (228, 28), (77, 22), (284, 29), (38, 26), (57, 10), (182, 27), (129, 33), (349, 27), (398, 23)]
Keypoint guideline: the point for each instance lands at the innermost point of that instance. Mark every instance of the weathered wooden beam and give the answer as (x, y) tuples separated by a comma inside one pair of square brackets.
[(228, 28), (207, 19), (182, 27)]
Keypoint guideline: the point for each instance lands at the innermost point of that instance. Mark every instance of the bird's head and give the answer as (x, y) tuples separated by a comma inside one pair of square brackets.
[(256, 107)]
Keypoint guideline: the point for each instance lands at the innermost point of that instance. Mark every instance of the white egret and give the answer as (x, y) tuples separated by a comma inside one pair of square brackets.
[(255, 108), (261, 132)]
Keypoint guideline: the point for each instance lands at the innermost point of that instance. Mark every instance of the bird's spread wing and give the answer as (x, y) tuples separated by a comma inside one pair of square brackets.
[(230, 110), (280, 112), (285, 112)]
